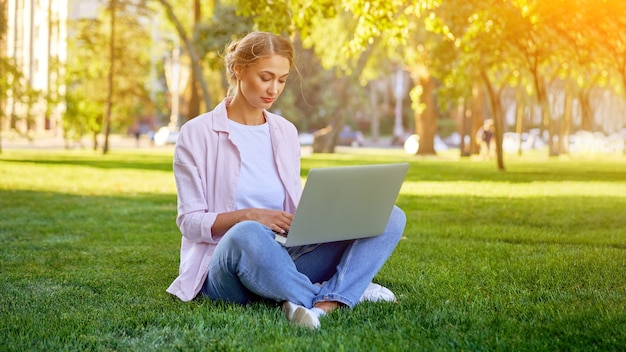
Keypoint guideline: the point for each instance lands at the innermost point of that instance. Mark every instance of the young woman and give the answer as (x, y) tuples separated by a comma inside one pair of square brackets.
[(237, 171)]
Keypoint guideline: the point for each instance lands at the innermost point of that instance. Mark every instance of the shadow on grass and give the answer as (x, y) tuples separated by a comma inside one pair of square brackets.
[(468, 170), (99, 221), (420, 169), (148, 161)]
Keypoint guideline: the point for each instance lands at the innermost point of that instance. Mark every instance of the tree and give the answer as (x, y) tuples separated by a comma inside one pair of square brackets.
[(106, 122), (427, 56), (9, 84), (191, 50), (5, 67), (15, 91), (347, 67), (357, 28), (397, 29), (86, 72)]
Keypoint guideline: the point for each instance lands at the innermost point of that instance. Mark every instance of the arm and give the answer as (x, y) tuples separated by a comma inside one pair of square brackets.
[(276, 220), (197, 208)]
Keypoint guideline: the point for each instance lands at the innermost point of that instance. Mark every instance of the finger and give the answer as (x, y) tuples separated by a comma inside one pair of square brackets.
[(285, 226), (278, 229)]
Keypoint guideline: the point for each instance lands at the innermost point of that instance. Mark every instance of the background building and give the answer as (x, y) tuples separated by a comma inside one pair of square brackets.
[(36, 41)]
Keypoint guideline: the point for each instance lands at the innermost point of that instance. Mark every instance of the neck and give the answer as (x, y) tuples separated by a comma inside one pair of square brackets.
[(244, 113)]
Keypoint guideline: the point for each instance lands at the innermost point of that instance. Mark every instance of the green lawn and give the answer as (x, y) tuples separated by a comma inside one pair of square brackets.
[(533, 258)]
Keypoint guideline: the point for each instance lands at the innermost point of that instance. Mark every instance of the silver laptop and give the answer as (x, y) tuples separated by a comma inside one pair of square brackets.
[(344, 203)]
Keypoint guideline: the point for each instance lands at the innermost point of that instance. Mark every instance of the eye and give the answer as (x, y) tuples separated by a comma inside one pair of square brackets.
[(266, 78)]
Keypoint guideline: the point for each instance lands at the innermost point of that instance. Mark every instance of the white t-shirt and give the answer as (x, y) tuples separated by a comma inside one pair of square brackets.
[(259, 185)]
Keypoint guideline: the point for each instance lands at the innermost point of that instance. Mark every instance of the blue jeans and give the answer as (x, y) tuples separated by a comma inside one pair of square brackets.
[(248, 264)]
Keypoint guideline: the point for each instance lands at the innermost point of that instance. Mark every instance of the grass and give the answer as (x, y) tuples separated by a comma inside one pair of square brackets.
[(529, 259)]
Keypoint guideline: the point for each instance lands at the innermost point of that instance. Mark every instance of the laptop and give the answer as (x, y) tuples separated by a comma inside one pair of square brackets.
[(345, 203)]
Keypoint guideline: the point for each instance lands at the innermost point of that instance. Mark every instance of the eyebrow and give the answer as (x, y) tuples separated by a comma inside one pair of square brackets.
[(274, 75)]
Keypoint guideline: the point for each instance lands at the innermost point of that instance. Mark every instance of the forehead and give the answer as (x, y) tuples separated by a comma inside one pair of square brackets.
[(276, 64)]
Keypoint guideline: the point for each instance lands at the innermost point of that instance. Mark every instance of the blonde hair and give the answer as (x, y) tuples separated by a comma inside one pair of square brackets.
[(254, 46)]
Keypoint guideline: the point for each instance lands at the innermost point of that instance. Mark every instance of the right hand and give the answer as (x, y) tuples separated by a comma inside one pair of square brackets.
[(277, 220)]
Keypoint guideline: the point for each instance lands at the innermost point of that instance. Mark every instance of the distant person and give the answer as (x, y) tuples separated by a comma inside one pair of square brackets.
[(237, 171), (134, 130), (486, 139)]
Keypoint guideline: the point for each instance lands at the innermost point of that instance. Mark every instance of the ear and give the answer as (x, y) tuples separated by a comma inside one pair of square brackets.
[(238, 71)]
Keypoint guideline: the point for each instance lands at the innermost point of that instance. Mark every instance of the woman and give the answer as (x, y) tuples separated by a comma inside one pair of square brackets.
[(237, 171)]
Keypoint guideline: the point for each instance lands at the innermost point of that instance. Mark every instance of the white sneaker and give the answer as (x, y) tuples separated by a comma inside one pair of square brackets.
[(375, 293), (301, 315)]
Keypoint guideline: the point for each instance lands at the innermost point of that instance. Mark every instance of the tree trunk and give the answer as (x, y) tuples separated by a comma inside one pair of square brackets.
[(426, 122), (326, 139), (498, 117), (567, 120), (193, 100), (107, 115), (546, 117), (375, 122), (549, 126), (542, 100), (478, 116), (338, 117), (193, 103), (519, 117), (464, 129), (95, 141), (586, 111)]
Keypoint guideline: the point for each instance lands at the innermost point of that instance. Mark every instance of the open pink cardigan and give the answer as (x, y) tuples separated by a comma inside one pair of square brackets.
[(206, 169)]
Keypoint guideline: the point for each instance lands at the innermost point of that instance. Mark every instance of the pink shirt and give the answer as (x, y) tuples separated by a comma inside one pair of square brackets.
[(206, 168)]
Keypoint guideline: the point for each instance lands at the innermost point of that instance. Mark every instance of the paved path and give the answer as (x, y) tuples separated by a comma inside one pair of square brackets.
[(47, 142)]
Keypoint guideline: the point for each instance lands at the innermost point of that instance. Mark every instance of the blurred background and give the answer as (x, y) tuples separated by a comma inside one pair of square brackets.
[(486, 77)]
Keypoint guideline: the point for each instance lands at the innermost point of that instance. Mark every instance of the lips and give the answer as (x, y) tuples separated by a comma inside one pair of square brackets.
[(268, 100)]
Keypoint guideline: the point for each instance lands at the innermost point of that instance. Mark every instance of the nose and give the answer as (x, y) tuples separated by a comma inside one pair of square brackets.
[(273, 88)]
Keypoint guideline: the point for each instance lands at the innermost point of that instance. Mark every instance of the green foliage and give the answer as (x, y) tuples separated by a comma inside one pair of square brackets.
[(271, 16), (287, 17), (529, 44), (213, 34), (532, 259), (82, 115), (14, 85), (87, 69), (10, 80)]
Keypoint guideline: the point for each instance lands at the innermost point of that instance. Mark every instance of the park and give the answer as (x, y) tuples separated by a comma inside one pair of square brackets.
[(510, 114), (529, 259)]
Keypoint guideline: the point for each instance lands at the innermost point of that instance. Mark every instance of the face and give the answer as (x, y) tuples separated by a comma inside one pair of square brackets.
[(262, 82)]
